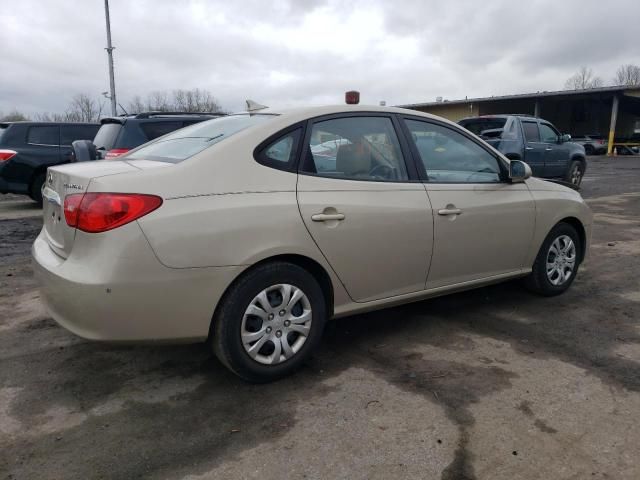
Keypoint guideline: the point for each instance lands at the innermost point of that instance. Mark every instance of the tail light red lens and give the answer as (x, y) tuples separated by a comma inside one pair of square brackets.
[(99, 212), (116, 152), (6, 155)]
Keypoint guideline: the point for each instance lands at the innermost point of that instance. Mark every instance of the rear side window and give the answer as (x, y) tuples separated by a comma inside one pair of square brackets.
[(70, 133), (153, 130), (107, 135), (531, 133), (44, 135), (487, 127), (188, 141), (2, 130), (356, 148)]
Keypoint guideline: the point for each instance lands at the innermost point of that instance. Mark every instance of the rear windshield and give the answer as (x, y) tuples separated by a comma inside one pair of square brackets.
[(186, 142), (485, 127), (107, 135)]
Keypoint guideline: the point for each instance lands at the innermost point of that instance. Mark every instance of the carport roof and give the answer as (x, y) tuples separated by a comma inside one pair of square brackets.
[(558, 93)]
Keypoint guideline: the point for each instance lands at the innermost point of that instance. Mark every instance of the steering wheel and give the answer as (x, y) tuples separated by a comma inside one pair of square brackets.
[(383, 171)]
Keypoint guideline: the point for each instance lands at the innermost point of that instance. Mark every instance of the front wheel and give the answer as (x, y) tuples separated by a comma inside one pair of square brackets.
[(575, 173), (557, 262), (269, 322), (35, 189)]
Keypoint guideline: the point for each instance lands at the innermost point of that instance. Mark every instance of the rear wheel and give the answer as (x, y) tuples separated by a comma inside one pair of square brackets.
[(35, 190), (269, 322), (575, 173), (557, 262)]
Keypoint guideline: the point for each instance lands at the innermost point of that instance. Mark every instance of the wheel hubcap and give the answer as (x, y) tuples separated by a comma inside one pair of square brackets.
[(276, 324), (561, 260), (576, 174)]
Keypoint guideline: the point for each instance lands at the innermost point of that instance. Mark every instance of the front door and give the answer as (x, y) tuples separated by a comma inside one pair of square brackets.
[(556, 153), (483, 224), (372, 222)]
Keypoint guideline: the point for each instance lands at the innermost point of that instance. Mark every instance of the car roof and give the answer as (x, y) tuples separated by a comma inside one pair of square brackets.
[(44, 124), (296, 114)]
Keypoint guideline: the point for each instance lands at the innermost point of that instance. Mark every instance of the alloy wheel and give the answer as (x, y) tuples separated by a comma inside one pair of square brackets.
[(276, 324), (561, 260), (576, 174)]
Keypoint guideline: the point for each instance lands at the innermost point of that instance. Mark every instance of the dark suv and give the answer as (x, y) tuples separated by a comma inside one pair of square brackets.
[(28, 148), (535, 141), (118, 135)]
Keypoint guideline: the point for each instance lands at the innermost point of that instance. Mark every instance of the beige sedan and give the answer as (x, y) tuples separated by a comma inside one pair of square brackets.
[(249, 231)]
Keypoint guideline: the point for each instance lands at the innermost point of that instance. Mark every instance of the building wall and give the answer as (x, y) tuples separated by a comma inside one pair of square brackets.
[(453, 112)]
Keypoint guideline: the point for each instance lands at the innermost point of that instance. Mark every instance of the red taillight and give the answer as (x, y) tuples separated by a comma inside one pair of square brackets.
[(116, 152), (99, 212), (601, 142), (7, 155)]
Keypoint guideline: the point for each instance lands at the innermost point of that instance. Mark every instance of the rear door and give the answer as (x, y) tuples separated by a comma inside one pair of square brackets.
[(366, 210), (534, 149), (556, 157), (483, 224)]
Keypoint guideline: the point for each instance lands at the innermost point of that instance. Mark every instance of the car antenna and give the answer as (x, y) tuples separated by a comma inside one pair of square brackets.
[(254, 106)]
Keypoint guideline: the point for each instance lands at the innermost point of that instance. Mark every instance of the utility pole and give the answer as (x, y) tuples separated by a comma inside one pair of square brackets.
[(109, 50)]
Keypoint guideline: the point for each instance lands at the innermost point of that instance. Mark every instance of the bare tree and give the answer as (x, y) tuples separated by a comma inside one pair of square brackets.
[(14, 116), (195, 100), (136, 105), (627, 75), (158, 102), (82, 109), (582, 80)]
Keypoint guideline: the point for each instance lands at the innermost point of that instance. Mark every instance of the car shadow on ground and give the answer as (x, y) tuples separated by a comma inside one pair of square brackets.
[(120, 392)]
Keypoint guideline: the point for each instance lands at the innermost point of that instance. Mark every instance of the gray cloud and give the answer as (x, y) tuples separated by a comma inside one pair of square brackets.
[(304, 51)]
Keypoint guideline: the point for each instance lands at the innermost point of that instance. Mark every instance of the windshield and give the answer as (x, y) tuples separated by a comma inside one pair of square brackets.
[(485, 127), (186, 142)]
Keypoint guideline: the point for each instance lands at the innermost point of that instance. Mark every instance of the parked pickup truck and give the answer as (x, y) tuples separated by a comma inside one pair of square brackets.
[(533, 140)]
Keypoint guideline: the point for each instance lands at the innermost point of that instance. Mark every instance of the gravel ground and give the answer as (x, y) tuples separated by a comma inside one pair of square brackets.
[(489, 384)]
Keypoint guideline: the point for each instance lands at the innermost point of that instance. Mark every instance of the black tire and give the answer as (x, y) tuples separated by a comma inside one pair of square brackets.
[(538, 281), (575, 172), (225, 333), (589, 150), (35, 189)]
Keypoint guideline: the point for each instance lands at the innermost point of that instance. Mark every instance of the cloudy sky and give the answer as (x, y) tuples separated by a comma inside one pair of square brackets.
[(292, 52)]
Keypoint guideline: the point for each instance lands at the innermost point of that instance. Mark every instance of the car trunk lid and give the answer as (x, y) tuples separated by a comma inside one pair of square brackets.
[(65, 180)]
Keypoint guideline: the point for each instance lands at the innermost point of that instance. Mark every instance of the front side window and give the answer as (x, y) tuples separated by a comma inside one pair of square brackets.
[(44, 135), (188, 141), (450, 157), (531, 133), (548, 134), (357, 148)]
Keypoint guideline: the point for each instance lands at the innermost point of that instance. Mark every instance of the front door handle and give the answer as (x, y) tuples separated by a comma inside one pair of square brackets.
[(449, 211), (528, 148), (326, 217)]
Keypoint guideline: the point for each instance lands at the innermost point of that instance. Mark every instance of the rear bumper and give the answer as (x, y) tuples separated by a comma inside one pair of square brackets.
[(129, 297)]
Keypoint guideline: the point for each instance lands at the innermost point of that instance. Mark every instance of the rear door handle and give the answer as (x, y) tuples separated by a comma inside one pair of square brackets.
[(325, 217), (449, 211), (548, 149)]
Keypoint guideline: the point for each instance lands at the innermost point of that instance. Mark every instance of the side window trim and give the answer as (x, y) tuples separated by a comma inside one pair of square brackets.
[(412, 174), (416, 154)]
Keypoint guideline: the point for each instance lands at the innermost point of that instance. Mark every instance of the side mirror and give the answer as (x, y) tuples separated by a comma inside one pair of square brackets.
[(519, 171), (83, 151), (565, 137)]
